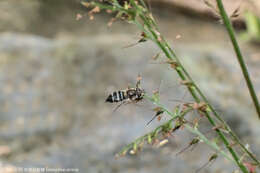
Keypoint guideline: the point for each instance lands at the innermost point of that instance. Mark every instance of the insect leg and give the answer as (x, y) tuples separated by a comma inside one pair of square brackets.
[(123, 102)]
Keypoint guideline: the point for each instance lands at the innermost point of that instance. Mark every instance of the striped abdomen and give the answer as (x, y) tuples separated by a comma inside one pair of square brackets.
[(117, 96)]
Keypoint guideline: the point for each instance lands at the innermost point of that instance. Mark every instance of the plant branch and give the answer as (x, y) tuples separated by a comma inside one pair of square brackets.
[(193, 93), (171, 55), (150, 28), (239, 55)]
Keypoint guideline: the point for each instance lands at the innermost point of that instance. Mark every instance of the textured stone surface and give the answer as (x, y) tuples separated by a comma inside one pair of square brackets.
[(56, 74), (199, 7)]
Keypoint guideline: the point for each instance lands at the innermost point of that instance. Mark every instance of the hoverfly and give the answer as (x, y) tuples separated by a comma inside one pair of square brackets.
[(133, 95), (129, 95)]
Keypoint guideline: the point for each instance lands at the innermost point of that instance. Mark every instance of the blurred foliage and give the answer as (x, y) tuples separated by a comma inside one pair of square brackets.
[(252, 32)]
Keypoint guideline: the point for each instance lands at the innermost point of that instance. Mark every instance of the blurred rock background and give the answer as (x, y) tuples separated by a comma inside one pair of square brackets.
[(56, 72)]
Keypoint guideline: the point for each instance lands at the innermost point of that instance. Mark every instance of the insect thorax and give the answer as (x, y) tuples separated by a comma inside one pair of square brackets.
[(135, 94)]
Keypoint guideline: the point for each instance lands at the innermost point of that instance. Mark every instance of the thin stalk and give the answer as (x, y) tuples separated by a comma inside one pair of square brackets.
[(151, 29), (234, 136), (159, 129), (239, 55), (182, 76), (193, 93), (212, 144), (191, 129), (161, 106)]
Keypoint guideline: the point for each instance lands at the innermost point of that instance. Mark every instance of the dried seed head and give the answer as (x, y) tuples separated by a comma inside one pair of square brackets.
[(192, 143), (155, 57), (91, 12), (95, 10), (178, 36), (155, 141), (121, 154), (78, 16), (109, 24), (232, 144), (109, 11), (132, 152), (235, 13), (157, 109), (86, 4), (163, 142), (200, 106), (173, 64), (143, 35), (168, 134), (251, 167), (91, 17), (186, 82), (213, 157)]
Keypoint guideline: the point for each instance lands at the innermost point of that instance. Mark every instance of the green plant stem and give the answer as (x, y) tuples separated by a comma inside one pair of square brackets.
[(151, 29), (193, 93), (157, 129), (234, 136), (172, 55), (239, 55), (204, 139), (192, 130)]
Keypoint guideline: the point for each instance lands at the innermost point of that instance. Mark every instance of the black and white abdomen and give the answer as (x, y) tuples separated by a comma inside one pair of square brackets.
[(117, 96)]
